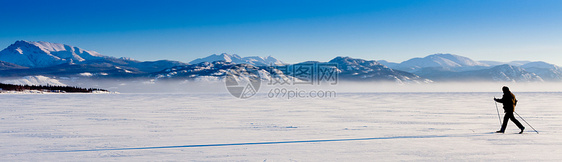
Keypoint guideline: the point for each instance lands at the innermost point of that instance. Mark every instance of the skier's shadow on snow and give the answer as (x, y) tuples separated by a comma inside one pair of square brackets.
[(265, 143)]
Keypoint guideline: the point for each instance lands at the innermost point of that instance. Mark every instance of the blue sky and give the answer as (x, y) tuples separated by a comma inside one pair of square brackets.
[(293, 30)]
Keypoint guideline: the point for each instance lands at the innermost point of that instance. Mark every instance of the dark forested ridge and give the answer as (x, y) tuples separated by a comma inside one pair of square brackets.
[(48, 88)]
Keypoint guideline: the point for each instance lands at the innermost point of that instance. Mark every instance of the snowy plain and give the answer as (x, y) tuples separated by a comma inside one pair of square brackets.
[(218, 127)]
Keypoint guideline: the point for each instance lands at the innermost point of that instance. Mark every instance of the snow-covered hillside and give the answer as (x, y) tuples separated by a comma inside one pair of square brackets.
[(35, 80), (365, 70), (549, 72), (234, 58), (512, 73)]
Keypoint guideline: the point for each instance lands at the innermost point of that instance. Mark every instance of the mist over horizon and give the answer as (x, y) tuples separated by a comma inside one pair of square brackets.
[(218, 87)]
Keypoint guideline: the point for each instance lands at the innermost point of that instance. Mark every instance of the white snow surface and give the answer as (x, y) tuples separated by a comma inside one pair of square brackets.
[(35, 80), (219, 127)]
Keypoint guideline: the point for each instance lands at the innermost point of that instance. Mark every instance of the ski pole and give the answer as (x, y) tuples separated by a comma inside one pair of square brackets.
[(526, 122), (499, 118)]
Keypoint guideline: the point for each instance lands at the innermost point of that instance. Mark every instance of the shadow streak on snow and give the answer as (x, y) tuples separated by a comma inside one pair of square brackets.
[(264, 143)]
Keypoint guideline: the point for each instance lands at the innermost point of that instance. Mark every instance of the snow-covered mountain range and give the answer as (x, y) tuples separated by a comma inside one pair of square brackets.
[(450, 67), (44, 54), (347, 68), (27, 58), (503, 73), (43, 58)]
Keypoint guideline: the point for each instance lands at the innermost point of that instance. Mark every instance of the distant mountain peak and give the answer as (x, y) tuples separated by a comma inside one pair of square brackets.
[(353, 61), (234, 58), (127, 58), (540, 64), (448, 59), (440, 60)]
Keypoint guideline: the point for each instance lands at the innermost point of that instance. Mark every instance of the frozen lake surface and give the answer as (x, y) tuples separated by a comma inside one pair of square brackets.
[(219, 127)]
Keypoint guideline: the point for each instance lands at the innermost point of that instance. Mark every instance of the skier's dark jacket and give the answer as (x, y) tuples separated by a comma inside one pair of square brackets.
[(508, 100)]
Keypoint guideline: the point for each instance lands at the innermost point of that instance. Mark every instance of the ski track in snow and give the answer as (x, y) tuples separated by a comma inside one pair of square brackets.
[(264, 143), (219, 127)]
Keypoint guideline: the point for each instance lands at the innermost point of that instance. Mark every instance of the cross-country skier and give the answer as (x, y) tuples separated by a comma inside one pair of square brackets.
[(508, 100)]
